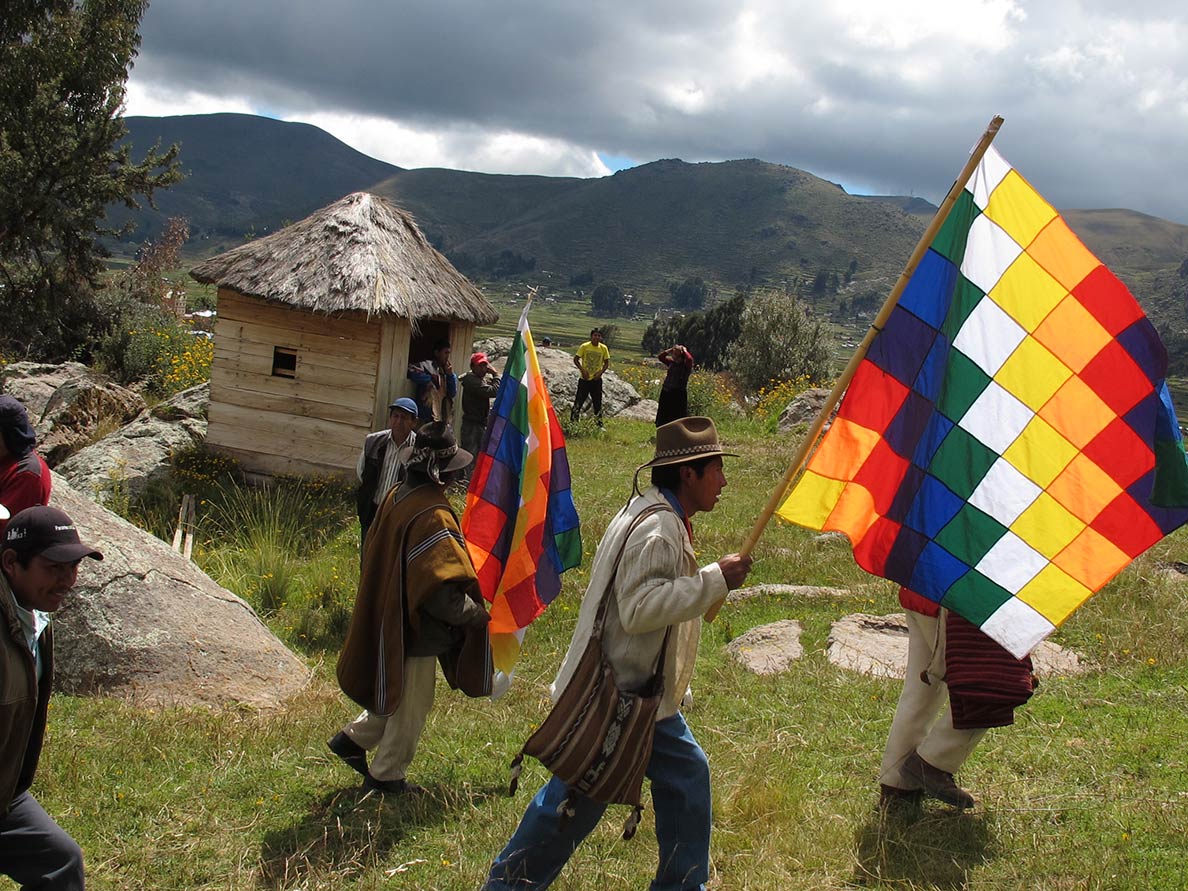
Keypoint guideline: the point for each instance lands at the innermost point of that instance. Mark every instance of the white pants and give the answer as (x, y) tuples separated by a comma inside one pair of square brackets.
[(920, 725), (394, 737)]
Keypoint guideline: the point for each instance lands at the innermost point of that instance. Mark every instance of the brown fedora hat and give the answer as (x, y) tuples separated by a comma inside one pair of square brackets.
[(685, 439)]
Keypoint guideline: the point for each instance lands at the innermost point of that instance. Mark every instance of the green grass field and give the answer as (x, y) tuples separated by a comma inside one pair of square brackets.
[(1089, 790), (567, 322)]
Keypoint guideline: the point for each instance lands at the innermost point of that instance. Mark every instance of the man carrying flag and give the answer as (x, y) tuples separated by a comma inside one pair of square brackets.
[(646, 566), (1005, 447), (520, 523)]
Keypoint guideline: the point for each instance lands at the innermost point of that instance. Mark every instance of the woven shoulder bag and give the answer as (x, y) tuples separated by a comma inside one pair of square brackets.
[(598, 738)]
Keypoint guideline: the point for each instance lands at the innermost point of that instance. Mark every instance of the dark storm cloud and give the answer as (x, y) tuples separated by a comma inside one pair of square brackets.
[(886, 96)]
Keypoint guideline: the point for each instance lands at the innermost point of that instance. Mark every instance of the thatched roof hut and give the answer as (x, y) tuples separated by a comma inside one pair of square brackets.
[(316, 326)]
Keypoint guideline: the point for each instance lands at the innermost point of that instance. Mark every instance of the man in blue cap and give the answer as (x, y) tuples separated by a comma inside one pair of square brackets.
[(381, 463)]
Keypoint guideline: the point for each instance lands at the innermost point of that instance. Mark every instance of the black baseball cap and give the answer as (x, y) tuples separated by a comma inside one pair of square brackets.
[(49, 532)]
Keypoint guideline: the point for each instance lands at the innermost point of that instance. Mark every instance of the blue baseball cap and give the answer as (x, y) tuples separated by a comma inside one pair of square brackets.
[(405, 405)]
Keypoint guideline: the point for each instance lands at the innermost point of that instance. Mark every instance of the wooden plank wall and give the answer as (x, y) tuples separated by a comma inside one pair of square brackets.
[(311, 423), (393, 369), (461, 346)]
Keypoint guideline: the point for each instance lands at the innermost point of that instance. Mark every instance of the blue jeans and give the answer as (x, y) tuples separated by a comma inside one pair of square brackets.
[(679, 772)]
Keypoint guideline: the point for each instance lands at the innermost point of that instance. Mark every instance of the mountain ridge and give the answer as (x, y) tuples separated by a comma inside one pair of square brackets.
[(731, 223)]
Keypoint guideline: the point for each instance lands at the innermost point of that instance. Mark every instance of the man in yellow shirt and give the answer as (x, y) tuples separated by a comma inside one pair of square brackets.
[(592, 359)]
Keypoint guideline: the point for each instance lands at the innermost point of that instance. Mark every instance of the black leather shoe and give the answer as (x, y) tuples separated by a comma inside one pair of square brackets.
[(937, 783), (391, 787), (352, 754)]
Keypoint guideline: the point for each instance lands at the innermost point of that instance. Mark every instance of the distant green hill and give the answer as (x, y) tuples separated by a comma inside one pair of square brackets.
[(244, 174), (730, 223), (734, 222), (1128, 241)]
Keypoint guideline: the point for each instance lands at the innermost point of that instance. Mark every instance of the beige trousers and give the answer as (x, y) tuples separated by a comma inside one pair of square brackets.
[(394, 737), (923, 722)]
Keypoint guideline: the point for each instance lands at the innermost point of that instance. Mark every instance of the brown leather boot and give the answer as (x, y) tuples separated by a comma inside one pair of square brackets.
[(937, 783)]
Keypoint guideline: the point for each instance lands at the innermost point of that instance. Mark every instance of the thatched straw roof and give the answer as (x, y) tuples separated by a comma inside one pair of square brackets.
[(360, 253)]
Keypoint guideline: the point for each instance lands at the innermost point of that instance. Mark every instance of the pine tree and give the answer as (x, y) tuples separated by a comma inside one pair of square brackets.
[(63, 67)]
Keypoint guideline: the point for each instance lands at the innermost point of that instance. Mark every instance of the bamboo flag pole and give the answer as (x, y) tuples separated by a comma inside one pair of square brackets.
[(814, 431)]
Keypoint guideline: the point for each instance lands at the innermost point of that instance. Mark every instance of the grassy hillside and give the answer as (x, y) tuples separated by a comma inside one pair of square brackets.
[(1128, 241), (454, 206), (731, 223)]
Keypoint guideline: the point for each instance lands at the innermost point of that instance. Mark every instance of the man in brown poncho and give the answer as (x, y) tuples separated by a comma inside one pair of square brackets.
[(418, 603)]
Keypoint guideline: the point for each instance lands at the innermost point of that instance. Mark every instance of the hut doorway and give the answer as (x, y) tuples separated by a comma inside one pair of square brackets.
[(429, 332)]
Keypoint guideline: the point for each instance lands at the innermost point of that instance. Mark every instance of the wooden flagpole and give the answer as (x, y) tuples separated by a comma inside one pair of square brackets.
[(814, 431)]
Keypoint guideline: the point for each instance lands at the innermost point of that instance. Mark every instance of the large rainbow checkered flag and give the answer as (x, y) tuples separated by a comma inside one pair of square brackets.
[(1008, 444), (520, 523)]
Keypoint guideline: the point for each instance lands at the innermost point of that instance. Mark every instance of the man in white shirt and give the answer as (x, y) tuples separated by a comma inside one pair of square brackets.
[(381, 462)]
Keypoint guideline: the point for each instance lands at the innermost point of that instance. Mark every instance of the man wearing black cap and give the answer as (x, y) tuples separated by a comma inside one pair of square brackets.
[(39, 558), (418, 603), (24, 476)]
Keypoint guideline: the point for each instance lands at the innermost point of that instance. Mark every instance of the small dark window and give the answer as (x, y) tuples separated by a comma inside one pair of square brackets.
[(284, 362)]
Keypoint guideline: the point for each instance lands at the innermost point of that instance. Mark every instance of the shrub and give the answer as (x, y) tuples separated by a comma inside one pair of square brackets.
[(155, 349), (711, 395), (778, 342)]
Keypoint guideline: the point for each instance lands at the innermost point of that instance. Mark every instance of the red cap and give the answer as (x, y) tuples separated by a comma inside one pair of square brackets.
[(479, 359)]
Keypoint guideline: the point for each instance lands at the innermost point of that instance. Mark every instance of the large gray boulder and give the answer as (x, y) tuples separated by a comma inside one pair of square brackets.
[(134, 456), (644, 410), (69, 405), (561, 377), (147, 625), (33, 383), (803, 409), (79, 411)]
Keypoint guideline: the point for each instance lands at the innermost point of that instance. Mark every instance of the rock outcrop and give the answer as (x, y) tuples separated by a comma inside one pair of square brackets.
[(147, 625), (139, 453), (878, 646), (803, 409), (34, 382), (768, 649), (69, 405)]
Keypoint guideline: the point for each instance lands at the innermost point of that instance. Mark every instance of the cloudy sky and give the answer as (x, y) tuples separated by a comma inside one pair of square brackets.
[(882, 96)]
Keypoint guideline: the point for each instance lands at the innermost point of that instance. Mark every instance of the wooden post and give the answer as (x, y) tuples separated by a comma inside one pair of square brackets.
[(183, 536), (814, 431)]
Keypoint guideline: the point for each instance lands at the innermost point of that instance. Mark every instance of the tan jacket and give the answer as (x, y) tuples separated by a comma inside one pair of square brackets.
[(658, 584)]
